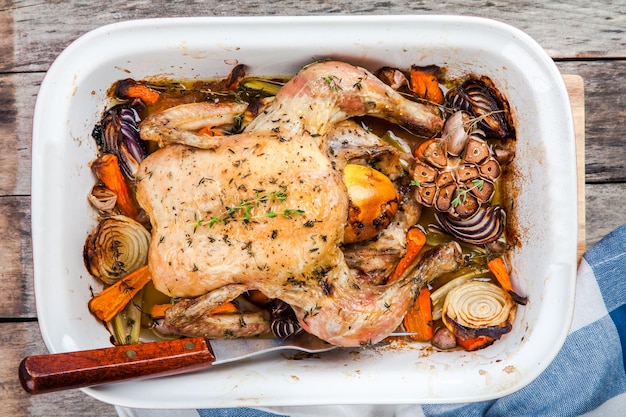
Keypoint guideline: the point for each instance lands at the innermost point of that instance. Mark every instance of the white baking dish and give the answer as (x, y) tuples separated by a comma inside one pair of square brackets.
[(73, 96)]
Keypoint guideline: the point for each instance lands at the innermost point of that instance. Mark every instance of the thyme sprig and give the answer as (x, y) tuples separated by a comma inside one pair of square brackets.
[(332, 82), (474, 121), (243, 209), (461, 196)]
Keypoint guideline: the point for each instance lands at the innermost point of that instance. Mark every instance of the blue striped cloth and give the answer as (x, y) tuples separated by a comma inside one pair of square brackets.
[(587, 378)]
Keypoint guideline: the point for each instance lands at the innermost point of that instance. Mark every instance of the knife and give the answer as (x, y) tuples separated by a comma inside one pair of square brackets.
[(59, 371)]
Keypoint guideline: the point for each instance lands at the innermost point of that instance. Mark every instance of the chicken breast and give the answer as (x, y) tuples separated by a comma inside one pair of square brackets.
[(256, 211)]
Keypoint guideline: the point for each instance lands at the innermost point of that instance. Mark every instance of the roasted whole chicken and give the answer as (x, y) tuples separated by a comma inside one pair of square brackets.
[(267, 209)]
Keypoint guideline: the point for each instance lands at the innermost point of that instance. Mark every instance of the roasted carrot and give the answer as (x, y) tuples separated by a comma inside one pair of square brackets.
[(415, 241), (419, 318), (130, 88), (500, 270), (257, 298), (157, 311), (476, 343), (211, 131), (424, 83), (107, 169), (421, 149), (113, 299), (433, 151), (146, 94), (227, 307), (498, 267)]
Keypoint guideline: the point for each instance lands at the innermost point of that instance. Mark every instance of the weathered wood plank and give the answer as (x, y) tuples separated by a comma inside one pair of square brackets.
[(16, 266), (576, 91), (18, 340), (605, 103), (18, 93), (38, 31)]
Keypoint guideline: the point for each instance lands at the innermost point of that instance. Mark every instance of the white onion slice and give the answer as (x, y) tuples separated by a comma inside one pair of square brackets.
[(117, 247), (478, 308)]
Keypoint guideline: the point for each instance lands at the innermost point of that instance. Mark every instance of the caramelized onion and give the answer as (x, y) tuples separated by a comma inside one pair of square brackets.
[(477, 308), (120, 136), (117, 246), (485, 226), (284, 322), (482, 100), (102, 198)]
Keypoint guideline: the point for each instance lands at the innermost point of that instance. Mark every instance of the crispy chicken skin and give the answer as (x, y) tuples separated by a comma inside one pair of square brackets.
[(266, 209)]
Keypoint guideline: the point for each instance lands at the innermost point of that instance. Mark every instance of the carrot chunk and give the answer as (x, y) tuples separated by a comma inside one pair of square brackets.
[(157, 311), (113, 299), (500, 270), (211, 131), (424, 83), (257, 298), (419, 318), (415, 241), (107, 169), (475, 344), (129, 88), (227, 307)]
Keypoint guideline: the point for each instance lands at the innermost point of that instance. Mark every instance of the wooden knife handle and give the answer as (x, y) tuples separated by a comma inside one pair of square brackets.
[(55, 372)]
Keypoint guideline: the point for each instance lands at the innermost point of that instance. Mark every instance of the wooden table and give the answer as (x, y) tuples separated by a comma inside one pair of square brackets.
[(585, 37)]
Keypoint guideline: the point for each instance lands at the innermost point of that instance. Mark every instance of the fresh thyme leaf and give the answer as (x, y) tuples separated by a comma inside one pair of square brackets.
[(280, 196), (244, 209), (331, 80), (461, 196), (246, 213), (288, 212), (478, 183), (473, 123)]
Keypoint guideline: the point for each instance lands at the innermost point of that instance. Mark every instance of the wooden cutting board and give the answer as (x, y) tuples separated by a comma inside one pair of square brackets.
[(576, 90)]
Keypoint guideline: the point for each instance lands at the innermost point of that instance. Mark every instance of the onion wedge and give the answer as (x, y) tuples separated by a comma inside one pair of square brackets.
[(118, 246), (478, 310)]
